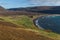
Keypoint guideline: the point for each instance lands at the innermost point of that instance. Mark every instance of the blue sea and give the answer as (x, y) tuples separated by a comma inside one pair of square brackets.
[(49, 23)]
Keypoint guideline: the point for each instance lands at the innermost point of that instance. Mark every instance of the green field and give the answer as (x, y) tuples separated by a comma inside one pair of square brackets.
[(24, 21)]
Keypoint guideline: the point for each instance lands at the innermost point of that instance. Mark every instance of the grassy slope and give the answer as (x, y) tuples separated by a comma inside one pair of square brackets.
[(11, 33), (26, 22)]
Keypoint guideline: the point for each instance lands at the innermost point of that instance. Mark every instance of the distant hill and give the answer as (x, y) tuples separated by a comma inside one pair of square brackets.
[(2, 9), (40, 9)]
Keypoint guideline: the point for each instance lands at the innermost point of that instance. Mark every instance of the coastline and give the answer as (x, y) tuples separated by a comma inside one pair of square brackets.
[(35, 21)]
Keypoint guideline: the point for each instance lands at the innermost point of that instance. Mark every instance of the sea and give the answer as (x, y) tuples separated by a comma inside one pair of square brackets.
[(49, 23)]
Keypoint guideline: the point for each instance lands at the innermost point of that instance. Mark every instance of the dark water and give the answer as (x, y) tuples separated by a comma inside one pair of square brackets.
[(49, 23)]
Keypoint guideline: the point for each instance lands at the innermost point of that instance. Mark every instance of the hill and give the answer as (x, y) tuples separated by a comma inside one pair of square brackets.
[(5, 12), (40, 9), (12, 33), (2, 9), (23, 22)]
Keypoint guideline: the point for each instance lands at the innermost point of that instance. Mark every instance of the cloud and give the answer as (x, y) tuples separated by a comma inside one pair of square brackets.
[(45, 2)]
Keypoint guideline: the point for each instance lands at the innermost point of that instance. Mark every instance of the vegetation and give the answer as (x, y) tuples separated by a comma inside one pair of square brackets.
[(24, 28), (10, 33), (20, 20)]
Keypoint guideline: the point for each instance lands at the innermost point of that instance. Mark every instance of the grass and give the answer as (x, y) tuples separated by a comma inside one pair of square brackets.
[(27, 23), (20, 20), (10, 33)]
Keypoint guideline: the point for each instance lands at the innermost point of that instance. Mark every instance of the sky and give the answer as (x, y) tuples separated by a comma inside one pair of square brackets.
[(28, 3)]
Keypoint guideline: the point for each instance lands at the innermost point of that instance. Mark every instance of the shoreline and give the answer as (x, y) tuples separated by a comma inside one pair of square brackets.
[(35, 21)]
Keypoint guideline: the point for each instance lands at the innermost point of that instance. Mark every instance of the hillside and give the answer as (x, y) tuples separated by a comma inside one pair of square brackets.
[(19, 25), (5, 12), (10, 33), (40, 9), (29, 11), (2, 9)]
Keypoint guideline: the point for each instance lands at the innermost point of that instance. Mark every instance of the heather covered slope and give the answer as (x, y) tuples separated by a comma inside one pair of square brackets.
[(11, 33)]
